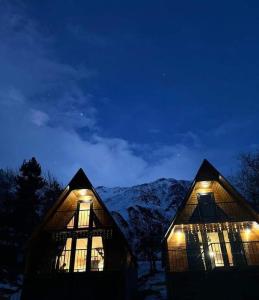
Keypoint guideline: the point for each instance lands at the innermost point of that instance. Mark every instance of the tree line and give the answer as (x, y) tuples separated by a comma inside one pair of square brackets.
[(24, 198), (26, 194)]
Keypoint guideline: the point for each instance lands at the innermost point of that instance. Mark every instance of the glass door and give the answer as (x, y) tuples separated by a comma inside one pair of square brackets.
[(215, 249)]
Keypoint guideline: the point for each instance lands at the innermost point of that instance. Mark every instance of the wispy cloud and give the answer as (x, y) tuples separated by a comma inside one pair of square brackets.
[(42, 106)]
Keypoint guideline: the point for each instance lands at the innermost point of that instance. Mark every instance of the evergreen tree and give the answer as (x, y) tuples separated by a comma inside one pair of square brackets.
[(24, 197), (50, 193), (29, 182)]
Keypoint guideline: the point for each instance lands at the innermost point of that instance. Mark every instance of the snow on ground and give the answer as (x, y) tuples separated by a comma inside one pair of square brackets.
[(151, 286)]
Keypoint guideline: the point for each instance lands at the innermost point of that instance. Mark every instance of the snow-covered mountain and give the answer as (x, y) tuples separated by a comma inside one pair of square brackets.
[(144, 206), (144, 212)]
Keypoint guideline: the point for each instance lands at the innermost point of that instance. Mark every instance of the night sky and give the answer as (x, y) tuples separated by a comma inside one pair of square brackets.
[(129, 90)]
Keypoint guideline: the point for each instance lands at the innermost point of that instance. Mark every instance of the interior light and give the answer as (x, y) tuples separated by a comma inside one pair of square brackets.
[(248, 230), (179, 234), (205, 184), (211, 253), (82, 192), (85, 199)]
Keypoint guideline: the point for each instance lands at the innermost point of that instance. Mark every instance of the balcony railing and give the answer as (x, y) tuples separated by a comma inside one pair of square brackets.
[(234, 254), (65, 219), (230, 254), (213, 212)]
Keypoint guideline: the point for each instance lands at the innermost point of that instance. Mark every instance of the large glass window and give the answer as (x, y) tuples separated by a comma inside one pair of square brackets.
[(81, 251), (80, 255), (206, 246)]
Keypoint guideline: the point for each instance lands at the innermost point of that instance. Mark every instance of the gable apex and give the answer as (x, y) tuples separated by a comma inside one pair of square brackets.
[(207, 172), (80, 180)]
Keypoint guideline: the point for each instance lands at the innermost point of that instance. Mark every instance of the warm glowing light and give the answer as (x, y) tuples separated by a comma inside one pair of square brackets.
[(179, 235), (82, 192), (248, 230), (97, 254), (85, 199), (255, 225), (211, 253), (205, 184)]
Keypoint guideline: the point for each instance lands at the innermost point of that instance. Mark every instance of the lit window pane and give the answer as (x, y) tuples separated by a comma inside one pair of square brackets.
[(80, 255), (97, 254), (70, 225), (63, 260), (84, 213)]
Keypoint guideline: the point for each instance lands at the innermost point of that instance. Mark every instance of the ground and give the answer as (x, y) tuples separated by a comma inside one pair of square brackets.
[(151, 286)]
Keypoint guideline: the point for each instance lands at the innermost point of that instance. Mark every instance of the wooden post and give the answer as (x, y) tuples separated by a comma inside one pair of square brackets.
[(89, 243), (223, 248), (73, 244)]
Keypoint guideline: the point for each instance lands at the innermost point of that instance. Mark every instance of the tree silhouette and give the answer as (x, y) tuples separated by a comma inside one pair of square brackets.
[(29, 182)]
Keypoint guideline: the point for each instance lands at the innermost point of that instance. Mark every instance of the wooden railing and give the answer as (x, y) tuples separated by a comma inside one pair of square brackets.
[(226, 255), (213, 212), (65, 219)]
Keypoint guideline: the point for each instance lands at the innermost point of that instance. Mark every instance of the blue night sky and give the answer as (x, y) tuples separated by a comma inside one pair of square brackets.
[(129, 90)]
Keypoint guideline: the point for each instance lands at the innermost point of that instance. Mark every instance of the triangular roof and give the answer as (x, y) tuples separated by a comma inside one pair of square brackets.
[(207, 172), (79, 181)]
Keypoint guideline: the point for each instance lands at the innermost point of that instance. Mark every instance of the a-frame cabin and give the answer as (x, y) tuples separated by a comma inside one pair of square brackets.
[(78, 252), (211, 249)]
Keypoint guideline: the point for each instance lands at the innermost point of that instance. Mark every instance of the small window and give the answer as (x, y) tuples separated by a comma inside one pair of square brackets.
[(84, 214)]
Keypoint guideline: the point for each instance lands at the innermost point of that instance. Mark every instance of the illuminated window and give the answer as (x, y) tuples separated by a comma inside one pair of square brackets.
[(71, 224), (63, 260), (215, 249), (80, 255), (97, 254), (73, 256), (84, 213), (83, 216)]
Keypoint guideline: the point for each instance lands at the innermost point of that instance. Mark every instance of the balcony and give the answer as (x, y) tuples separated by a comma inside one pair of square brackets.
[(217, 255), (76, 220)]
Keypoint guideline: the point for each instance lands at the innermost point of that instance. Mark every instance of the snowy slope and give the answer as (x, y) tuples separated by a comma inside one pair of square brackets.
[(154, 202), (162, 194), (144, 210)]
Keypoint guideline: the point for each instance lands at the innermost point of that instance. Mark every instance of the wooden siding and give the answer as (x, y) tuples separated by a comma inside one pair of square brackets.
[(223, 199)]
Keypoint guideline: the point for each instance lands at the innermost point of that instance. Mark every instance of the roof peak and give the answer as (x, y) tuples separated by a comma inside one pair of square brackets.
[(207, 172), (80, 180)]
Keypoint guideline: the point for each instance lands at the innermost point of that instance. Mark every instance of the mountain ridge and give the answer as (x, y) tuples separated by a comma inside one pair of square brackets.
[(138, 208)]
